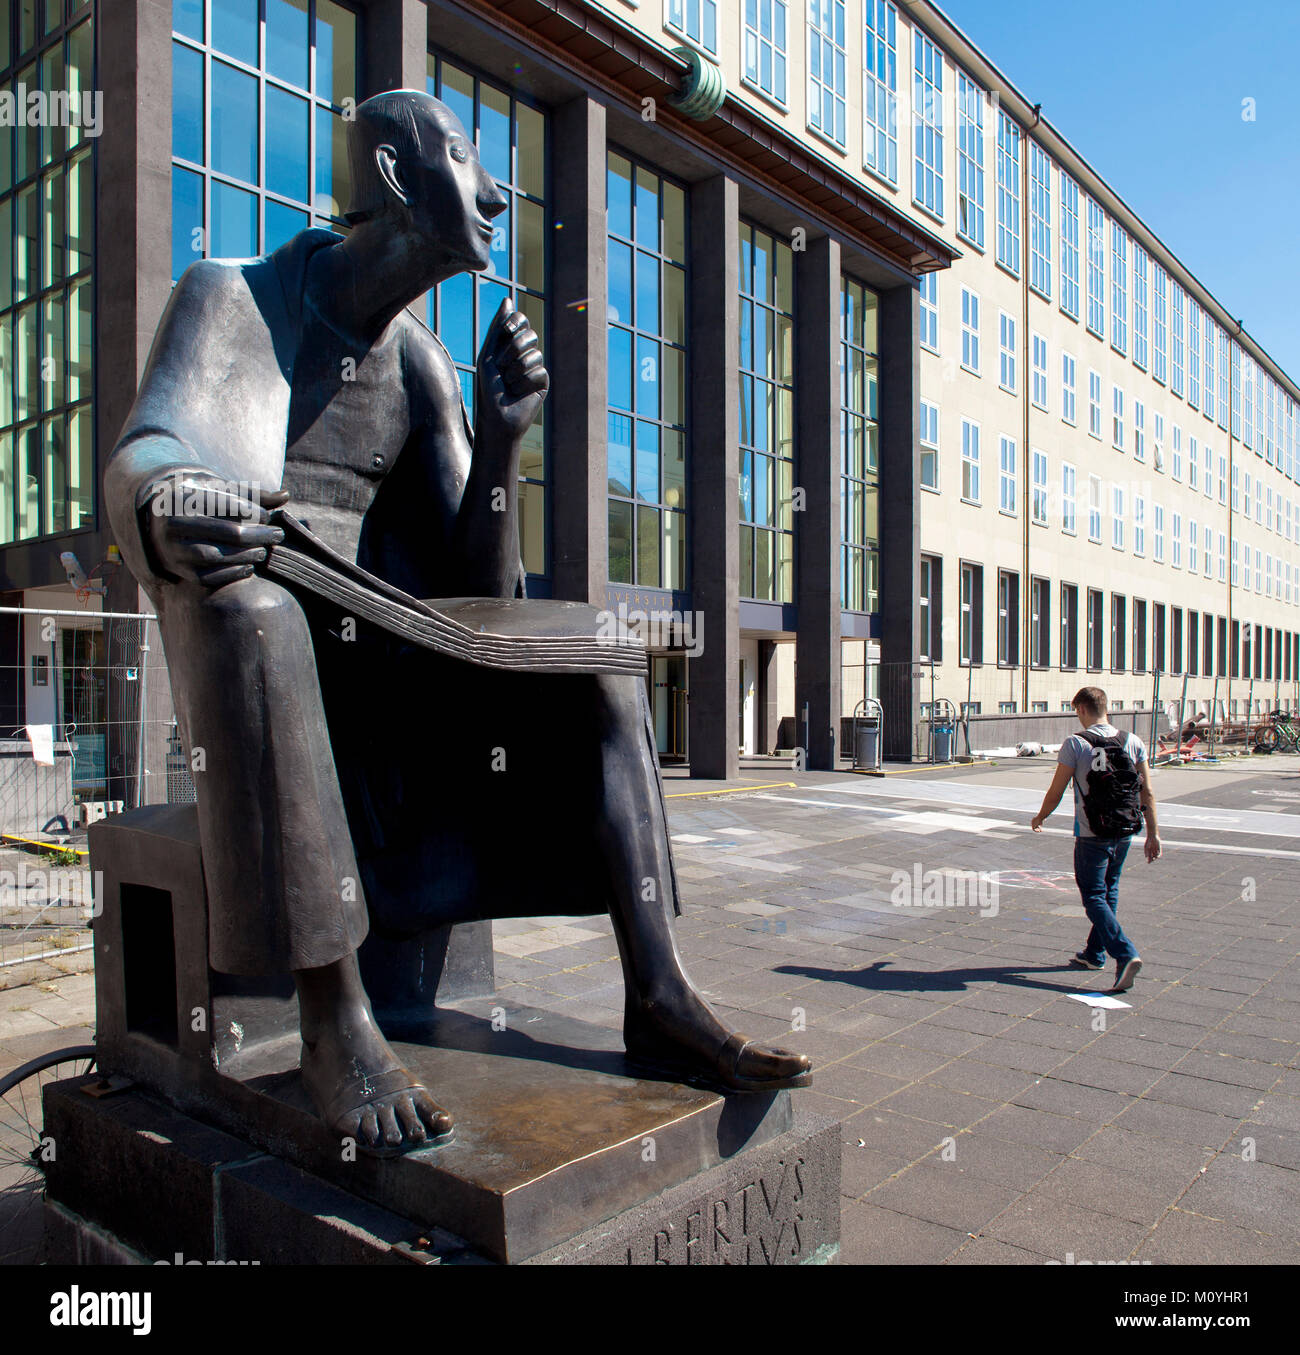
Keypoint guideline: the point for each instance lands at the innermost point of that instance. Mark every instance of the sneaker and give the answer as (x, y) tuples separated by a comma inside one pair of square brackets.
[(1081, 961), (1127, 973)]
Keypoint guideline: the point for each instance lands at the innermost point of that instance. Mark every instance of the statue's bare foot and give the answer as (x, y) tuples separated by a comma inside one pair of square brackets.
[(681, 1036), (354, 1078)]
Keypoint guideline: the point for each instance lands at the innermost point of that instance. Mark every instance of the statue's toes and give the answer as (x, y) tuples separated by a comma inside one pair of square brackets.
[(368, 1131), (386, 1113), (408, 1118), (764, 1063), (437, 1121)]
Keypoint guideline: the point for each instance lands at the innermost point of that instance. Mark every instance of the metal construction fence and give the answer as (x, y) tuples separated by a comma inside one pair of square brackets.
[(935, 713), (89, 729)]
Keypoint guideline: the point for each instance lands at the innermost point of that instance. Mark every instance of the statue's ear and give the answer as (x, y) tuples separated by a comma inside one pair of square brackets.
[(386, 164)]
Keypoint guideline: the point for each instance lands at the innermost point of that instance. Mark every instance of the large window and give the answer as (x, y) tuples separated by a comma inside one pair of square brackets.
[(1040, 622), (1096, 269), (765, 47), (1096, 628), (1118, 287), (1038, 501), (1008, 194), (970, 160), (928, 286), (970, 330), (927, 124), (970, 461), (1008, 618), (47, 199), (1069, 498), (696, 20), (929, 445), (1008, 476), (827, 72), (1159, 320), (1141, 269), (859, 448), (259, 140), (1038, 358), (880, 89), (931, 599), (971, 616), (1069, 245), (1193, 353), (1118, 632), (1176, 338), (1040, 220), (647, 376), (1069, 625), (1007, 351), (767, 417), (511, 139)]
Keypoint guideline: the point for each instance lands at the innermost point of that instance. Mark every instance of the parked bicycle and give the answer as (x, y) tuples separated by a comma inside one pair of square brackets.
[(24, 1148), (1279, 731)]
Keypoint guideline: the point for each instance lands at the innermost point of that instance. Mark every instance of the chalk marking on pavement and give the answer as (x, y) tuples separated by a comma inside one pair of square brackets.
[(1257, 822), (1054, 832)]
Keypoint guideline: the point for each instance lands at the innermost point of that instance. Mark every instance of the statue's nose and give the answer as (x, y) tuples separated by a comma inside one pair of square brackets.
[(491, 201)]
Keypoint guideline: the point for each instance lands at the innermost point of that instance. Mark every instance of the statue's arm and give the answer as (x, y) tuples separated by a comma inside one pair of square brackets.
[(173, 437)]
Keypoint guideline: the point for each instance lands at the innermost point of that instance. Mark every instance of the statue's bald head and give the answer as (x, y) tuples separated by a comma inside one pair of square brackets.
[(414, 124)]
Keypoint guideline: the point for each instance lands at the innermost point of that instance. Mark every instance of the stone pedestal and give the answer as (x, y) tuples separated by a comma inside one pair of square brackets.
[(206, 1145)]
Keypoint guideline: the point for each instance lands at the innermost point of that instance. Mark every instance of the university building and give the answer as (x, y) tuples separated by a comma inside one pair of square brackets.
[(859, 371)]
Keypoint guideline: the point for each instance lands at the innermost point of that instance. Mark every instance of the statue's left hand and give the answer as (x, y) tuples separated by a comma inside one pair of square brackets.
[(512, 381)]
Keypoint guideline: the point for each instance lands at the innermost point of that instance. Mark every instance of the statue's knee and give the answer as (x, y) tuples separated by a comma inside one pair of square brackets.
[(253, 606)]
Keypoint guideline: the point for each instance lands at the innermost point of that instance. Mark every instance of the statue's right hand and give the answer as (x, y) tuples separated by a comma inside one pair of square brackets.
[(204, 529)]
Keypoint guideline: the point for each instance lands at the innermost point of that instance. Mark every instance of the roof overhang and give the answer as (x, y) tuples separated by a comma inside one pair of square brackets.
[(602, 50)]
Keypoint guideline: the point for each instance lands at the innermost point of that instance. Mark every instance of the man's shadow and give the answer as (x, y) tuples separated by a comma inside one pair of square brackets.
[(881, 980)]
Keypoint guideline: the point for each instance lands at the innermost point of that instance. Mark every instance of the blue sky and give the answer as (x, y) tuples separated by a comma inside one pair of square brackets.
[(1150, 92)]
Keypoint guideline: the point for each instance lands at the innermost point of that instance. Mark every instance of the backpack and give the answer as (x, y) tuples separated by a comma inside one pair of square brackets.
[(1113, 799)]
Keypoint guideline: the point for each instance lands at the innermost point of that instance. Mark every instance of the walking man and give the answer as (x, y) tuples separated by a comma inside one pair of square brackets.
[(1112, 797)]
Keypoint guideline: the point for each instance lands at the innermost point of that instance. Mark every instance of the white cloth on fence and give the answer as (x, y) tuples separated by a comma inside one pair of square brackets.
[(42, 737)]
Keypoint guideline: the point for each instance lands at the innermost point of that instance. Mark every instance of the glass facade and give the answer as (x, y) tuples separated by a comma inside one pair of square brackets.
[(510, 135), (260, 92), (47, 195), (647, 376), (766, 417), (859, 448)]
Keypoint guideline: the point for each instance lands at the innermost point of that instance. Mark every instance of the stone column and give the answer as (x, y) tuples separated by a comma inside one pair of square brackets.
[(395, 46), (132, 283), (817, 527), (713, 506), (576, 355), (900, 516)]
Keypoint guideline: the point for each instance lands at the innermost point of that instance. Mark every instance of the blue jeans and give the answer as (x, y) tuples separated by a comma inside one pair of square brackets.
[(1097, 864)]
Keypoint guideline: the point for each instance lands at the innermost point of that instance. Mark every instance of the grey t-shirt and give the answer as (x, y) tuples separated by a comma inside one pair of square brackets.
[(1076, 754)]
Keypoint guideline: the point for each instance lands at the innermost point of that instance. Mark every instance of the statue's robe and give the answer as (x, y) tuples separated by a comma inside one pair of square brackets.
[(342, 776)]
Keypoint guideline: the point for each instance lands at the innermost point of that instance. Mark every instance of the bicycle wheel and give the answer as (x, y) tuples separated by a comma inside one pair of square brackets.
[(1265, 739), (22, 1121)]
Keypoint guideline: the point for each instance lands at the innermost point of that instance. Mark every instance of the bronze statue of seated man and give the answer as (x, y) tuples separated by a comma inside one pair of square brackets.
[(349, 779)]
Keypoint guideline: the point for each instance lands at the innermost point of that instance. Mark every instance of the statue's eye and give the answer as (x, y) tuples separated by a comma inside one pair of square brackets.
[(459, 151)]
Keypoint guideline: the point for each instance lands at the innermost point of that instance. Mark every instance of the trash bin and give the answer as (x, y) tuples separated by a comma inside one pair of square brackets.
[(866, 750), (943, 742)]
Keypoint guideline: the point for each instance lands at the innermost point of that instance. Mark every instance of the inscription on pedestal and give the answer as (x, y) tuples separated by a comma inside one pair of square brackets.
[(757, 1223)]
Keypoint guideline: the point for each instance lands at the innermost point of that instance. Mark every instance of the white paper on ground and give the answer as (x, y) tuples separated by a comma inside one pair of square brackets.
[(42, 737), (1099, 1000)]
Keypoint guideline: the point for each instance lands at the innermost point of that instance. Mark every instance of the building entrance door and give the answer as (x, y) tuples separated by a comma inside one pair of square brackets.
[(748, 696), (668, 705)]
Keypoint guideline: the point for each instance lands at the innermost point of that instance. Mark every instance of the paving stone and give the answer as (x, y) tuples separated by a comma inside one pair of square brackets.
[(1184, 1238), (895, 1135), (1039, 1128), (942, 1105), (1184, 1125), (871, 1237), (936, 1192), (1091, 1104), (862, 1169), (1201, 1093), (1057, 1229), (988, 1251), (898, 1061), (1108, 1190)]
